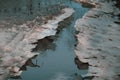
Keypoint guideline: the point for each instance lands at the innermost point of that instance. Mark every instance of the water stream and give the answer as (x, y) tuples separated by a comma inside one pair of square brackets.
[(58, 64)]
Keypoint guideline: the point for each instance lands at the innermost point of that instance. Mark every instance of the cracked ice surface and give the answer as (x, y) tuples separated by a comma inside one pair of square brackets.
[(15, 43)]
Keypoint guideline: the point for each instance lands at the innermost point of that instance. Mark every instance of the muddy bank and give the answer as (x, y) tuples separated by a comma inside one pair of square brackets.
[(16, 42), (99, 41)]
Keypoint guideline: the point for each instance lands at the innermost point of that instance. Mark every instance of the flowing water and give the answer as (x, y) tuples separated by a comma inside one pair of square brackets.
[(57, 64)]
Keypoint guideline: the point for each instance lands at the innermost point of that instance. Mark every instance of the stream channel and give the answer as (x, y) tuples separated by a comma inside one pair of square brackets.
[(57, 63)]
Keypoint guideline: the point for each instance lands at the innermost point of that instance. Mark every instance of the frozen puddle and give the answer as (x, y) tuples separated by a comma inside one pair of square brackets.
[(58, 63)]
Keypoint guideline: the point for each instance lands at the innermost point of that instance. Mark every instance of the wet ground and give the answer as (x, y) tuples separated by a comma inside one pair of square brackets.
[(56, 60)]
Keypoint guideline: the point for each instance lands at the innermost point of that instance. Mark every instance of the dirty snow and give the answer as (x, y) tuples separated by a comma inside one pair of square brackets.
[(15, 42), (99, 41)]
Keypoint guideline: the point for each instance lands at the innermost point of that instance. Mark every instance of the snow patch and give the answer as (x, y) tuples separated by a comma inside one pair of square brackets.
[(99, 41), (15, 42)]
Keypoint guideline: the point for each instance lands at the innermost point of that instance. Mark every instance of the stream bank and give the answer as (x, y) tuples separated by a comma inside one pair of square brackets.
[(17, 39), (57, 59), (99, 41), (16, 42)]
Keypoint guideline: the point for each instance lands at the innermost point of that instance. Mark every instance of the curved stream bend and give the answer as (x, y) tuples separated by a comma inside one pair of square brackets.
[(58, 64)]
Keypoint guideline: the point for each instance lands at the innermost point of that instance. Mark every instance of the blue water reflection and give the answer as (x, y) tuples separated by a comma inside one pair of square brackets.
[(58, 64)]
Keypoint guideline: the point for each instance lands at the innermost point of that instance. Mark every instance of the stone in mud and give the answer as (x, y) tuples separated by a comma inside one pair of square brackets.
[(44, 44), (80, 65)]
